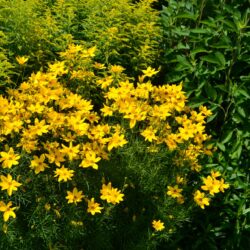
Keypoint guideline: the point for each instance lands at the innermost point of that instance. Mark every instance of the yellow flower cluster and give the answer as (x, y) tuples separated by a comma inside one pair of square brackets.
[(211, 185), (55, 128), (61, 135), (161, 112), (110, 194)]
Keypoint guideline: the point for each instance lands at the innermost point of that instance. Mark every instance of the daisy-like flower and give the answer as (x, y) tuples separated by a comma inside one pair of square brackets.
[(149, 72), (111, 195), (22, 59), (75, 196), (93, 207), (7, 210), (158, 225), (7, 183), (9, 158), (64, 174), (200, 199)]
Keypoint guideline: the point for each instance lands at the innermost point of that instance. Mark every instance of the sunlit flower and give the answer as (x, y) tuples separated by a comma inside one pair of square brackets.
[(22, 59), (158, 225), (93, 207), (75, 196)]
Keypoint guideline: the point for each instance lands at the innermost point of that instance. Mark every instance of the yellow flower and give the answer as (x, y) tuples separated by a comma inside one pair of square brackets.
[(116, 69), (115, 196), (180, 180), (22, 59), (38, 164), (7, 210), (70, 151), (111, 195), (200, 199), (74, 196), (211, 185), (149, 134), (9, 158), (158, 225), (223, 185), (90, 160), (174, 192), (58, 68), (93, 207), (117, 140), (99, 65), (215, 174), (105, 191), (106, 110), (63, 174), (8, 184), (149, 72)]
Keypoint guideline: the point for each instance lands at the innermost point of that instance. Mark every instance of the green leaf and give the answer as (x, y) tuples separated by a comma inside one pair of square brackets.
[(241, 111), (244, 93), (211, 117), (221, 146), (222, 87), (227, 136), (187, 16), (183, 63), (200, 31), (211, 58), (211, 92), (198, 50), (221, 58)]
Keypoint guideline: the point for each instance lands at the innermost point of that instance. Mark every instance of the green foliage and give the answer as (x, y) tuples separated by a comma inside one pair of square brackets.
[(126, 34), (5, 65), (207, 46), (35, 30)]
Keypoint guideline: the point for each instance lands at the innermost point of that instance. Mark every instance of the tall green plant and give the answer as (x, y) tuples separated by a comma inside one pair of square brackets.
[(207, 46)]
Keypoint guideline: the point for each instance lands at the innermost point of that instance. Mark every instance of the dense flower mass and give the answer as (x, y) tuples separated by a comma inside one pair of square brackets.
[(61, 134)]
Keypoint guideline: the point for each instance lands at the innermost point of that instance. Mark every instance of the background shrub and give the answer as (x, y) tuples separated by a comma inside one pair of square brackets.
[(207, 46)]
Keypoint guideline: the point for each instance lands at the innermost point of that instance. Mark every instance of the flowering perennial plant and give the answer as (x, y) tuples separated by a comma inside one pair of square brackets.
[(53, 132)]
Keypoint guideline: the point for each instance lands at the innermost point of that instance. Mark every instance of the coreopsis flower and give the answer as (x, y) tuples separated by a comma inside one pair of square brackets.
[(7, 210), (58, 68), (116, 69), (174, 192), (106, 110), (115, 196), (105, 82), (105, 191), (201, 199), (215, 174), (111, 195), (64, 174), (93, 207), (90, 160), (38, 164), (99, 66), (117, 140), (211, 185), (9, 158), (75, 196), (22, 59), (149, 134), (149, 72), (89, 52), (223, 185), (71, 151), (7, 183), (158, 225), (39, 127)]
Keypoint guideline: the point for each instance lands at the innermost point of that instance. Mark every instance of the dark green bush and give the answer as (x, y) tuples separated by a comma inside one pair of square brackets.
[(206, 44)]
